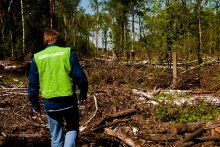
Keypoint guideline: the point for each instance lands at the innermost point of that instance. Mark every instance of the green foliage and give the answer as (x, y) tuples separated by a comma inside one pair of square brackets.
[(166, 112), (8, 80), (170, 96), (160, 26), (183, 114)]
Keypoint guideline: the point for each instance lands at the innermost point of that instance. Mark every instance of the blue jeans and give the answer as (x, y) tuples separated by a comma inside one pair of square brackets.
[(64, 135)]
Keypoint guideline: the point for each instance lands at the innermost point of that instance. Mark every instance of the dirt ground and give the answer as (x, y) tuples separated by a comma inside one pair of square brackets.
[(111, 89)]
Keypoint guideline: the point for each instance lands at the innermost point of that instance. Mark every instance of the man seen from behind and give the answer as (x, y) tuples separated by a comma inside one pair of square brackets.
[(55, 72)]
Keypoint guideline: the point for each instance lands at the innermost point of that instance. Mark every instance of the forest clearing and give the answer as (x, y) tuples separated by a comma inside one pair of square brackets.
[(152, 67), (120, 110)]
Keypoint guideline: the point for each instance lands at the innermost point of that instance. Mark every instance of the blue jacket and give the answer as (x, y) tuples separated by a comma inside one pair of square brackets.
[(58, 103)]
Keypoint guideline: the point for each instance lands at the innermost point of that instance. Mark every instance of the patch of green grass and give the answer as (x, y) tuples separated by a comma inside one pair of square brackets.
[(183, 114), (171, 96), (9, 80), (166, 112), (4, 80)]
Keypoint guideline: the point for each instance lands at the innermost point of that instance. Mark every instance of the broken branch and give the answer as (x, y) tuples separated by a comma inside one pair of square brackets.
[(123, 137)]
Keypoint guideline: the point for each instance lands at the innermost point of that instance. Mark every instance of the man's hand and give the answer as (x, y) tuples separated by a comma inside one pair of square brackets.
[(38, 114), (82, 100), (82, 97)]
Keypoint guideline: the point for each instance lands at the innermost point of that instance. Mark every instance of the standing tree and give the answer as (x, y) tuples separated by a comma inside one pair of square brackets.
[(198, 11), (105, 22), (96, 6), (23, 27)]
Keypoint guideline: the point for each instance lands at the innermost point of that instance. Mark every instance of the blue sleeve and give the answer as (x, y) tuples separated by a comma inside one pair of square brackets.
[(79, 76), (33, 86)]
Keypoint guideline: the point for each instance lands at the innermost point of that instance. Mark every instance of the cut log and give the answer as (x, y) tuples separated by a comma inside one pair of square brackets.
[(116, 115), (193, 126), (123, 137), (187, 144), (188, 141), (187, 128), (200, 140), (207, 138), (110, 124), (212, 124), (194, 134)]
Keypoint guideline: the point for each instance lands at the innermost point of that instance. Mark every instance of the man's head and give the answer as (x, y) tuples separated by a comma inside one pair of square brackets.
[(51, 36)]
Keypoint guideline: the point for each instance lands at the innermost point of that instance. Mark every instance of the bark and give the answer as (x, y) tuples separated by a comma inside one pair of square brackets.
[(194, 134), (187, 128), (199, 32), (174, 67), (200, 140), (23, 27), (123, 137), (52, 11), (12, 45), (110, 124), (147, 96), (4, 21), (97, 34), (194, 126), (116, 115), (105, 40), (192, 138), (133, 29)]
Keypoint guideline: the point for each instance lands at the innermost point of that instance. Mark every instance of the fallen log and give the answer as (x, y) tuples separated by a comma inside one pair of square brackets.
[(207, 138), (116, 115), (212, 124), (200, 140), (148, 96), (123, 137), (187, 127), (159, 138), (193, 126), (84, 126), (188, 140), (194, 134), (187, 144), (110, 124), (96, 139), (193, 137)]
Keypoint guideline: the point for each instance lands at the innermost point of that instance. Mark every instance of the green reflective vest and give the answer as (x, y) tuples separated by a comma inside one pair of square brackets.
[(54, 66)]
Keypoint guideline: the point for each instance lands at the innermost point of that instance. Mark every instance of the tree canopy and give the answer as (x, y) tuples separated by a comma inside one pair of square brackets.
[(152, 28)]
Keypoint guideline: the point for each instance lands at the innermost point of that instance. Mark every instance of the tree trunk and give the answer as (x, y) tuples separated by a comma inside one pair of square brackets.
[(74, 30), (199, 34), (217, 45), (3, 26), (174, 67), (23, 27), (105, 40), (123, 137), (52, 7), (97, 28), (132, 30), (140, 26), (12, 45)]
